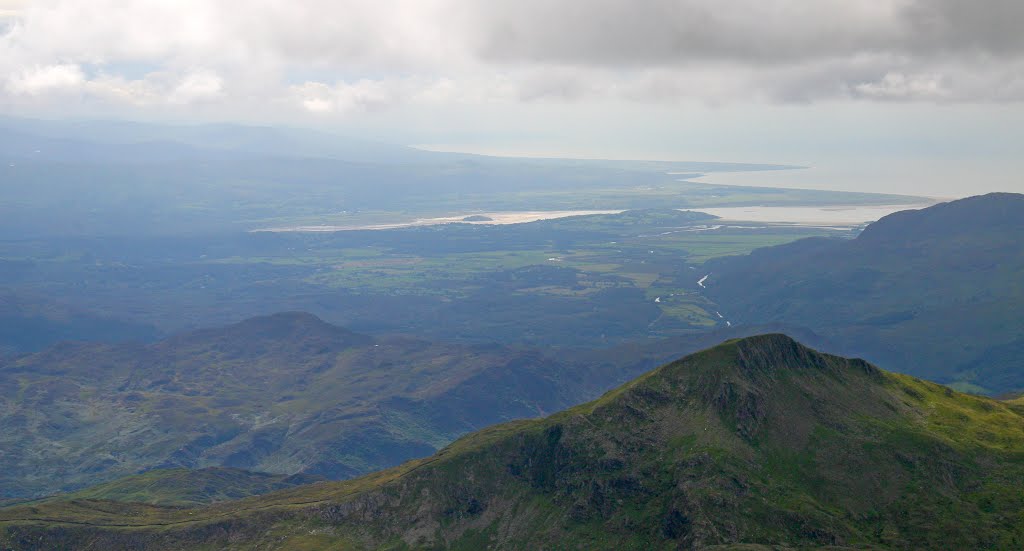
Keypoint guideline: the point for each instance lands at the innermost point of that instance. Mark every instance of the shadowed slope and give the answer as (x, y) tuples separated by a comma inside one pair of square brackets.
[(934, 293)]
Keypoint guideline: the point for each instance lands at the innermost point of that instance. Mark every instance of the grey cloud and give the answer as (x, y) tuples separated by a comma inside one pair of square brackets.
[(680, 32), (361, 56), (965, 26), (778, 50)]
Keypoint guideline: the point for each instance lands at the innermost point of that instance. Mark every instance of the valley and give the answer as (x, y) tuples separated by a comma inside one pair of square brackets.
[(511, 276), (386, 375), (484, 281)]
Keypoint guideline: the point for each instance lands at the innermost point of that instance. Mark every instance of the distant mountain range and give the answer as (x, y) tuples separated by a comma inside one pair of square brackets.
[(759, 443), (105, 141), (937, 293), (285, 394)]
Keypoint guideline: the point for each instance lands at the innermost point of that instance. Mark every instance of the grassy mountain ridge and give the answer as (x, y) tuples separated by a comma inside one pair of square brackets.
[(934, 292), (757, 441)]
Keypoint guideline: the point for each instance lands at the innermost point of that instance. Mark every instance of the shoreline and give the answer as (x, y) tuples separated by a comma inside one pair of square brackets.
[(838, 216)]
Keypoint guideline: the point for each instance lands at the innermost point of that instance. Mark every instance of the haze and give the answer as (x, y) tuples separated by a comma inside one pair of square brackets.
[(913, 96)]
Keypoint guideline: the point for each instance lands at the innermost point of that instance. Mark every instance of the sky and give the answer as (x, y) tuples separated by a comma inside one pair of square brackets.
[(922, 96)]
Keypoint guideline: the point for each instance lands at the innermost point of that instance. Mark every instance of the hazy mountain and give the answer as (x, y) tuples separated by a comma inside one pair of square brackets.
[(756, 443), (936, 292), (129, 141), (286, 394), (31, 322), (111, 178), (99, 141)]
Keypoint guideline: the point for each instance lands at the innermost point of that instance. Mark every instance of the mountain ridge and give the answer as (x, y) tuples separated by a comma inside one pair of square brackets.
[(933, 292)]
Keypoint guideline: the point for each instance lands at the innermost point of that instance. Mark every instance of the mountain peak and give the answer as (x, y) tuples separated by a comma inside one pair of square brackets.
[(774, 351), (285, 325), (760, 386), (293, 319), (768, 356)]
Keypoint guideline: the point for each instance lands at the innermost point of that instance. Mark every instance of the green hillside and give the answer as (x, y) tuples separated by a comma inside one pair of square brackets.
[(936, 293), (757, 441)]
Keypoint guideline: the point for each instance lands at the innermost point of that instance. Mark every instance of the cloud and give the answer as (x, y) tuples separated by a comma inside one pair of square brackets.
[(678, 32), (903, 86), (943, 27), (362, 95), (37, 80), (197, 86), (10, 8), (158, 88), (341, 57), (682, 32)]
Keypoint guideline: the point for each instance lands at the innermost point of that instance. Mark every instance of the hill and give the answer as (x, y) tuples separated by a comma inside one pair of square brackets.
[(284, 394), (936, 293), (755, 442)]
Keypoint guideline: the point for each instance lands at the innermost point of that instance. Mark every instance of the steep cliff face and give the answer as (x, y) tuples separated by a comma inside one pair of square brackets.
[(756, 441)]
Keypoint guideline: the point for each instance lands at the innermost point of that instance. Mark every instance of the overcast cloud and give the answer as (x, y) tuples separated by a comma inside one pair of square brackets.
[(344, 56)]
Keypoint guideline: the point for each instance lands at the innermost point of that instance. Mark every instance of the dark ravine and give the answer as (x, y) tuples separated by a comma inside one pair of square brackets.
[(755, 442)]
